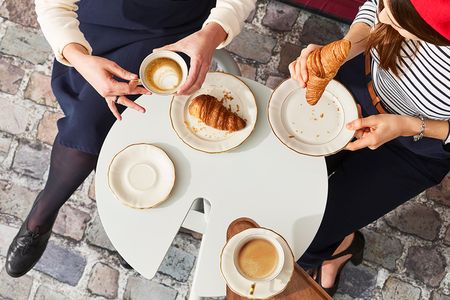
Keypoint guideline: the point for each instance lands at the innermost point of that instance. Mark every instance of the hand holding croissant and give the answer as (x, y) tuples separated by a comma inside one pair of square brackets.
[(323, 64)]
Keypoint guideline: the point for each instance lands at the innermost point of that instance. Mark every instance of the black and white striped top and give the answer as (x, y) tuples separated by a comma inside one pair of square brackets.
[(423, 85)]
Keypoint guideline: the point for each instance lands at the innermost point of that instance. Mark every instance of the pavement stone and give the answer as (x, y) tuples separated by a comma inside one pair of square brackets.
[(426, 265), (405, 220), (329, 31), (47, 128), (25, 43), (32, 159), (280, 16), (382, 249), (62, 263), (14, 118), (437, 296), (39, 90), (396, 289), (289, 53), (15, 288), (440, 193), (274, 81), (447, 237), (71, 222), (45, 293), (21, 12), (96, 235), (91, 191), (16, 200), (138, 288), (358, 282), (178, 264), (248, 40), (7, 235), (104, 281), (10, 76), (5, 143), (247, 71)]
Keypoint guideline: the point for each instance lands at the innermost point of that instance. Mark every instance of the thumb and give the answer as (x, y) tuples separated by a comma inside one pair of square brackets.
[(170, 47), (362, 123), (120, 72)]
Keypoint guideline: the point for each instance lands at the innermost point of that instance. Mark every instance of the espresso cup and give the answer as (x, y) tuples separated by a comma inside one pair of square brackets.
[(163, 72), (259, 258)]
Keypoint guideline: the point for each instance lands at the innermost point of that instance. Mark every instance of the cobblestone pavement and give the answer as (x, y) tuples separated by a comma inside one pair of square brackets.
[(407, 252)]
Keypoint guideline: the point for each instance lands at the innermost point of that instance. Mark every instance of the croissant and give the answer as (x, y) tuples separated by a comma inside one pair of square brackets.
[(323, 64), (211, 111)]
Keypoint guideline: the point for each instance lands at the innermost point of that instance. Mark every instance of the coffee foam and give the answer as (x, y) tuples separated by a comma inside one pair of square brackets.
[(257, 259), (163, 74)]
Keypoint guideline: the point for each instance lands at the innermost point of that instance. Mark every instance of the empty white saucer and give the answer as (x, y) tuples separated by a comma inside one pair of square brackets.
[(239, 284), (141, 175)]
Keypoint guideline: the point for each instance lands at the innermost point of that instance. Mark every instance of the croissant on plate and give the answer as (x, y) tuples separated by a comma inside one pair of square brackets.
[(211, 111), (323, 64)]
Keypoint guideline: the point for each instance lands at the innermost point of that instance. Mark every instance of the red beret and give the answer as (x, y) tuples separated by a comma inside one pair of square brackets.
[(436, 13)]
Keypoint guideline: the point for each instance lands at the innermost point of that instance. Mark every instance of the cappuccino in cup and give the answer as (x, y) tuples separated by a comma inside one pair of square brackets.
[(259, 258), (163, 72)]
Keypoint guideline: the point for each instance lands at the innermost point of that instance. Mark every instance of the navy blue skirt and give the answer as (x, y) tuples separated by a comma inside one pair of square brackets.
[(124, 31), (352, 75)]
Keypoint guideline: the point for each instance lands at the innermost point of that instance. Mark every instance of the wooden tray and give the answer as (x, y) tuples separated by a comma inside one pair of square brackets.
[(301, 286)]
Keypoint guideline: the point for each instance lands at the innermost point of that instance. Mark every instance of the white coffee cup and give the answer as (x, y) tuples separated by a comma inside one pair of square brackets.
[(167, 74), (278, 248)]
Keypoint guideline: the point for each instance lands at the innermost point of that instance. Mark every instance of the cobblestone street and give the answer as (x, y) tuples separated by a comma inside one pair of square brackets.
[(407, 253)]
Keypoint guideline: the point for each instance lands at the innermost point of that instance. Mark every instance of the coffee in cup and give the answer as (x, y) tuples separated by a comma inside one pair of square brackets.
[(259, 258), (163, 72)]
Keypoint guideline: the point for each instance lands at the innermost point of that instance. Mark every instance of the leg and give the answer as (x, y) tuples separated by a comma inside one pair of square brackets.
[(366, 186), (68, 169)]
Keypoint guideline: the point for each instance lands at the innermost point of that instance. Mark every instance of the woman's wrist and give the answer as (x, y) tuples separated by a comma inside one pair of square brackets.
[(215, 33), (412, 126), (73, 52)]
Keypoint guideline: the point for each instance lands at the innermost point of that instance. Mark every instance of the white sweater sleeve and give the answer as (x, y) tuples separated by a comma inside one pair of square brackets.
[(59, 23), (230, 14)]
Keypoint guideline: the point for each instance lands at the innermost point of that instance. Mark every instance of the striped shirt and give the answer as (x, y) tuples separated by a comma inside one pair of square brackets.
[(423, 84)]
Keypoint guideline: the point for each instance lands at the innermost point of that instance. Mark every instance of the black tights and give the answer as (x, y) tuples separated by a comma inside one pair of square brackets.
[(68, 169)]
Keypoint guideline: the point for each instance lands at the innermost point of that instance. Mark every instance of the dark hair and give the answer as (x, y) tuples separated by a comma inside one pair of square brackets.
[(387, 41)]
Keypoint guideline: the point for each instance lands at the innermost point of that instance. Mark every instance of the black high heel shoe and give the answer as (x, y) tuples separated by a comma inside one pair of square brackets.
[(356, 249)]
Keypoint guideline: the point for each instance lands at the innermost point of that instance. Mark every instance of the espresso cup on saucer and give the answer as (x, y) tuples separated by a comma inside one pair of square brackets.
[(258, 258), (163, 72), (257, 263)]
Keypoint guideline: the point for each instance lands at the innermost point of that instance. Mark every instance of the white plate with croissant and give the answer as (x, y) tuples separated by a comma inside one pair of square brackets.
[(220, 116), (316, 130)]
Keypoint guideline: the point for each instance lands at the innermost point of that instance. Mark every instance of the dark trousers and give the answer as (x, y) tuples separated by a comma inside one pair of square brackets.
[(366, 184)]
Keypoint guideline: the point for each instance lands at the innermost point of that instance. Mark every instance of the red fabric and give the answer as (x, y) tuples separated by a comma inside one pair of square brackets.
[(345, 10), (436, 13)]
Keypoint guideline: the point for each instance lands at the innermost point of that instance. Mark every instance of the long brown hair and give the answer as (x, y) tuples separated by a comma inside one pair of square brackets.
[(387, 41)]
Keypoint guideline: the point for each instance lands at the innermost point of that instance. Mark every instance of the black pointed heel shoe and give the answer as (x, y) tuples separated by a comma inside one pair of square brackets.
[(356, 249), (26, 249)]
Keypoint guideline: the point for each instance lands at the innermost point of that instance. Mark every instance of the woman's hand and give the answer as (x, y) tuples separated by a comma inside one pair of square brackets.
[(200, 47), (298, 69), (375, 130), (100, 72)]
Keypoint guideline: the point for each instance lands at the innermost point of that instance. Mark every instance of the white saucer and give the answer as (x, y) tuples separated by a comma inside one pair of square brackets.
[(313, 130), (235, 94), (239, 284), (141, 175)]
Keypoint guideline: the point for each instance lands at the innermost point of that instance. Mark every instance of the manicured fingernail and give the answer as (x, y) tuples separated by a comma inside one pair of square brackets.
[(148, 93), (349, 125)]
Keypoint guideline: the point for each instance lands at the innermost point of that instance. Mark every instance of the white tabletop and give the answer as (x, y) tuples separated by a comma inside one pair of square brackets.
[(261, 179)]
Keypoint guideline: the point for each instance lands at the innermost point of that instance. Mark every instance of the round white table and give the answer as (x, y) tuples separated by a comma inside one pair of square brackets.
[(261, 179)]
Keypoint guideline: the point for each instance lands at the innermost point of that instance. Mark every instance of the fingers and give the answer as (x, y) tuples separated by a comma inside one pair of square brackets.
[(131, 104), (200, 79), (120, 72), (113, 109), (303, 69), (170, 47), (194, 71), (125, 88), (360, 123), (359, 144)]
